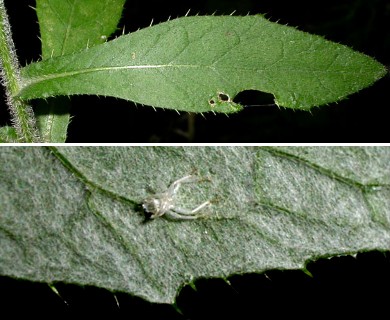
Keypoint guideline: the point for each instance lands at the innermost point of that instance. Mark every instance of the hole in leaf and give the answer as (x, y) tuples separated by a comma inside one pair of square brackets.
[(252, 98), (212, 102), (223, 97)]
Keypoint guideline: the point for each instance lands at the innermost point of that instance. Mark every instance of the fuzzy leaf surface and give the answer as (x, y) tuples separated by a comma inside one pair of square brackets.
[(73, 214), (67, 27), (201, 63)]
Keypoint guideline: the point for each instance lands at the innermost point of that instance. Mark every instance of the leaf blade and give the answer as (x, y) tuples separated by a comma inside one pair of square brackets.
[(67, 27), (273, 208), (187, 63), (8, 135)]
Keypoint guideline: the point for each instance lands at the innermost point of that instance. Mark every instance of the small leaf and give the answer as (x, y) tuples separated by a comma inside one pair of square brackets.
[(190, 63), (53, 119), (8, 134), (66, 27), (69, 26), (73, 214)]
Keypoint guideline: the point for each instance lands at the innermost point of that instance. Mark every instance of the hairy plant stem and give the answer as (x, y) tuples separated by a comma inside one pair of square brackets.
[(22, 115)]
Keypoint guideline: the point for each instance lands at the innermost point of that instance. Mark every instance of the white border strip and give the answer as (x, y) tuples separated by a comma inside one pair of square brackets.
[(196, 144)]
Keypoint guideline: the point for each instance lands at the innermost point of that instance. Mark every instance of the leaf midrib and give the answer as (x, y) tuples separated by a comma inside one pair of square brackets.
[(68, 28), (46, 77)]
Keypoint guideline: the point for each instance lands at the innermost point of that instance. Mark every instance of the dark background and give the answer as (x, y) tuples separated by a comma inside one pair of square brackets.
[(339, 287), (364, 25)]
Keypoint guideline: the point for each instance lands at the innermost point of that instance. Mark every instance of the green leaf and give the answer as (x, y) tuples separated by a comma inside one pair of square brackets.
[(53, 119), (66, 27), (69, 26), (199, 64), (73, 214), (8, 134)]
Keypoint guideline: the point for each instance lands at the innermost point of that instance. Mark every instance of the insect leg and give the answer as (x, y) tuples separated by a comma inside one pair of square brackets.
[(188, 212), (176, 216), (174, 187)]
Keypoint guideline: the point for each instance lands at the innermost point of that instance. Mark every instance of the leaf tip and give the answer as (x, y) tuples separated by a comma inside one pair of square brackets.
[(307, 272)]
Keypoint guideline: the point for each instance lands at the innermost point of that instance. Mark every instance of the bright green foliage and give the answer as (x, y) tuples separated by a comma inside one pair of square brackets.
[(72, 25), (73, 214), (185, 64), (8, 134), (53, 119), (67, 27)]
